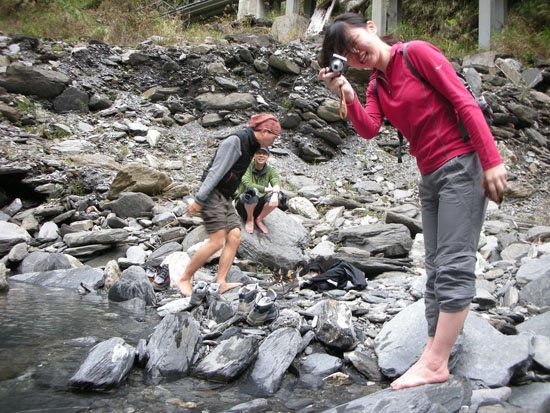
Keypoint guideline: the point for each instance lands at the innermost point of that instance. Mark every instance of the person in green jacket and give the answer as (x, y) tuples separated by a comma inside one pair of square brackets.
[(259, 192)]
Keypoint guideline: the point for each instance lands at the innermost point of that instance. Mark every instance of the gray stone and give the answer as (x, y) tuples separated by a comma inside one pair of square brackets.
[(539, 324), (10, 235), (66, 278), (533, 268), (533, 396), (444, 397), (33, 81)]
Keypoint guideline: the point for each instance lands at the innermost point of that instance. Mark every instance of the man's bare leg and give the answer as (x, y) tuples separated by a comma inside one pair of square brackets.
[(232, 242), (249, 226), (432, 367), (260, 219), (215, 242)]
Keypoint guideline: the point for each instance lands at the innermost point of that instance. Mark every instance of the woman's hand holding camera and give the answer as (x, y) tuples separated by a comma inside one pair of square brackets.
[(336, 81)]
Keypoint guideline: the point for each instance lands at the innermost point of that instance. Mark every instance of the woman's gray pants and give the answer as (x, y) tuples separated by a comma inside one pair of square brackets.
[(453, 209)]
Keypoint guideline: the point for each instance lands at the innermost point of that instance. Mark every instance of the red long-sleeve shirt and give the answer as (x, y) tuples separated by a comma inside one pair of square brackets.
[(425, 114)]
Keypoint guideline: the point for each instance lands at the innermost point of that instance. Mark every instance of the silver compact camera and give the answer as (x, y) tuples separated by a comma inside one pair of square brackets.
[(337, 64)]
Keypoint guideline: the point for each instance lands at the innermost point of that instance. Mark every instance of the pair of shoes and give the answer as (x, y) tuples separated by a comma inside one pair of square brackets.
[(203, 290), (161, 280), (264, 309), (247, 295)]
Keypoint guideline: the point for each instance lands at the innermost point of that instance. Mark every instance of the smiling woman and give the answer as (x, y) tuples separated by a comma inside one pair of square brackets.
[(457, 174)]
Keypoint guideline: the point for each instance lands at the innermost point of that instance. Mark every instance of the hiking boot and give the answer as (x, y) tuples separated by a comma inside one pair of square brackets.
[(264, 309), (213, 292), (247, 294), (161, 280), (200, 290)]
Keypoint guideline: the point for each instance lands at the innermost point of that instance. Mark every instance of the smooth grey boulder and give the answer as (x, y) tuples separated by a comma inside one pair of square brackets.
[(483, 354), (135, 177), (171, 348), (33, 81), (65, 278), (228, 360), (274, 357), (106, 366), (131, 204), (539, 324), (430, 398), (313, 368), (133, 283), (10, 235), (533, 397), (38, 261), (537, 292), (490, 358), (283, 246), (533, 268), (392, 240)]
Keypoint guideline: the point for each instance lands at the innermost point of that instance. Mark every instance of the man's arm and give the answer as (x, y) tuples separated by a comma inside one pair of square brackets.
[(227, 154)]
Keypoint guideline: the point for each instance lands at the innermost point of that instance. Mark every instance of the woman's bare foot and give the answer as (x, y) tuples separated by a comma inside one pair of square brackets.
[(185, 287), (422, 372), (228, 286), (249, 227), (261, 226)]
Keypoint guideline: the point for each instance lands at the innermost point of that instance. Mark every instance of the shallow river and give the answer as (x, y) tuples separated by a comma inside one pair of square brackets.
[(37, 358)]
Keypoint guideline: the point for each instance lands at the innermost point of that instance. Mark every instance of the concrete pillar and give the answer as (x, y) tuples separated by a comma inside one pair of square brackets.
[(387, 14), (394, 15), (492, 17), (292, 7), (251, 8), (379, 15)]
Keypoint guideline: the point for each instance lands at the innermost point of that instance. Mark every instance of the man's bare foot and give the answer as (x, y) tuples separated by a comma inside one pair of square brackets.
[(228, 286), (249, 227), (185, 287), (422, 373), (261, 226)]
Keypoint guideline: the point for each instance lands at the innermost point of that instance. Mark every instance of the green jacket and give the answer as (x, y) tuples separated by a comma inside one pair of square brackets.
[(259, 179)]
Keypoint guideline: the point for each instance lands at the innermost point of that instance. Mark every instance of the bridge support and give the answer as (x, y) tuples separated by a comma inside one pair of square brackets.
[(492, 17), (251, 8), (386, 14)]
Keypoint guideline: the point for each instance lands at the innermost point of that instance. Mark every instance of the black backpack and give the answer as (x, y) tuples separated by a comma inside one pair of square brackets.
[(480, 100)]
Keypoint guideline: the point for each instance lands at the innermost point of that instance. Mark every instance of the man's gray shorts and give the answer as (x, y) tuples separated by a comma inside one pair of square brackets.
[(453, 209), (219, 214)]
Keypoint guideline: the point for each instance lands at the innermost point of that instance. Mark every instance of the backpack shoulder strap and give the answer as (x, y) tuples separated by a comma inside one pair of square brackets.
[(410, 66)]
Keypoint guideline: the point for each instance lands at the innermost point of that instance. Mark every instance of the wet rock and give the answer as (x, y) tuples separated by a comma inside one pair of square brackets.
[(106, 366), (171, 348), (228, 360)]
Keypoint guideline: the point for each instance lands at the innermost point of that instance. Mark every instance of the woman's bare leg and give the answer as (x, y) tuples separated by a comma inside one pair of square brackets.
[(432, 367)]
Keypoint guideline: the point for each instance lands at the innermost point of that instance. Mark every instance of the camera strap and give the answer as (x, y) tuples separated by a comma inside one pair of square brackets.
[(343, 109)]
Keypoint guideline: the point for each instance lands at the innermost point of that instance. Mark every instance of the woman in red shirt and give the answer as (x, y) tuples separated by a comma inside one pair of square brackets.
[(457, 174)]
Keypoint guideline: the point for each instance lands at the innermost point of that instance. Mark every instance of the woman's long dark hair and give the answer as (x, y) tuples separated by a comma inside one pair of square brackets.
[(337, 39)]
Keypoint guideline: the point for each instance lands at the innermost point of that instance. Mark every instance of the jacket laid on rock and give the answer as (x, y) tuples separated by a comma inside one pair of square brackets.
[(426, 114), (259, 179), (227, 167)]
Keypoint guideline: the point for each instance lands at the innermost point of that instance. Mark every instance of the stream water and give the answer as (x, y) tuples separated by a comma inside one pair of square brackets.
[(39, 353)]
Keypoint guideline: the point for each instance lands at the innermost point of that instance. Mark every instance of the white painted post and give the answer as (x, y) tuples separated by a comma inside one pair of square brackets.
[(379, 15), (492, 17), (251, 8), (292, 7), (394, 15)]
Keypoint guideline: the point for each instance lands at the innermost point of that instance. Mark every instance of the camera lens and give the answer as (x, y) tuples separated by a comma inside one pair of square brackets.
[(336, 65)]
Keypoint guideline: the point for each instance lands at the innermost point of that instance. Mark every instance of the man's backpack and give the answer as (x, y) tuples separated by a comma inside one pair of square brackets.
[(480, 100)]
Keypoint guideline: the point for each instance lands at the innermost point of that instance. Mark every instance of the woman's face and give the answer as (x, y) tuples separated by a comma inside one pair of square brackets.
[(364, 47)]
